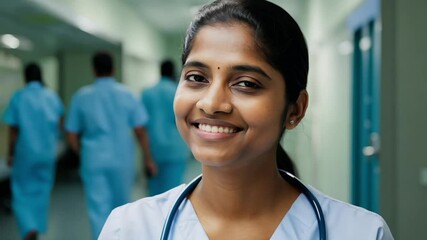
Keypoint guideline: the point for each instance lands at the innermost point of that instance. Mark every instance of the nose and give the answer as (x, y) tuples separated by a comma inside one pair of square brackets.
[(215, 100)]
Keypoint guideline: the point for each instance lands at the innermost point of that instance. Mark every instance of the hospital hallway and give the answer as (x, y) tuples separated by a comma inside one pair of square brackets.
[(68, 218)]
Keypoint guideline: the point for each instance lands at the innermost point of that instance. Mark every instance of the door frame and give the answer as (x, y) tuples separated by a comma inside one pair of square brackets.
[(366, 78)]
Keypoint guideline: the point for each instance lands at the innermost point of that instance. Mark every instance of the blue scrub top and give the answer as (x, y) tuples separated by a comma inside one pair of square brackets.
[(36, 111), (104, 113), (166, 143), (144, 219)]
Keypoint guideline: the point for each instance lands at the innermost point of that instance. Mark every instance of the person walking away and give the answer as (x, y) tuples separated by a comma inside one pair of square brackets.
[(34, 116), (168, 149), (99, 127)]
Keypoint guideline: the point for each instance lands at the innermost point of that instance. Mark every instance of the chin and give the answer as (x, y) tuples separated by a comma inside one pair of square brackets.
[(214, 159)]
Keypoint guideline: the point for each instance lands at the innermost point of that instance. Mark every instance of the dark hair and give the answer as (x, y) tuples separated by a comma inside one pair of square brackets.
[(276, 34), (102, 63), (167, 69), (33, 73)]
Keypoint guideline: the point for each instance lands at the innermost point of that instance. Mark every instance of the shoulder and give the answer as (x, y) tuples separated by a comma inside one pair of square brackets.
[(84, 91), (152, 88), (164, 84), (151, 92), (158, 203), (17, 96), (49, 92), (345, 221), (169, 84), (121, 87), (81, 97), (123, 91), (18, 93), (143, 218)]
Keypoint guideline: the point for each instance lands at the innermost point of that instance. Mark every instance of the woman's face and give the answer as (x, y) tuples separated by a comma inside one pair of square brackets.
[(229, 103)]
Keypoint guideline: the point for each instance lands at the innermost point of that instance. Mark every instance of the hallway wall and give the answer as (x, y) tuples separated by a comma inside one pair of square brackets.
[(321, 144), (142, 45), (10, 80), (404, 117)]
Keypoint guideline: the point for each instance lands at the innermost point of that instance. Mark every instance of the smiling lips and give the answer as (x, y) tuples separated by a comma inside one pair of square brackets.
[(216, 129)]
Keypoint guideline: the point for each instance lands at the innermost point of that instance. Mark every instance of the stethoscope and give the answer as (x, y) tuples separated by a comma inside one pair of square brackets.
[(294, 181)]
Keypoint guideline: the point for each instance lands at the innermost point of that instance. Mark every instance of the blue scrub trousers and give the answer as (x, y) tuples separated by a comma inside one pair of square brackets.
[(32, 183), (106, 189)]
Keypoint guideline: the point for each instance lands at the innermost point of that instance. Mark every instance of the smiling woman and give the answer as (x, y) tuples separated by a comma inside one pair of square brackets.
[(238, 96), (245, 66)]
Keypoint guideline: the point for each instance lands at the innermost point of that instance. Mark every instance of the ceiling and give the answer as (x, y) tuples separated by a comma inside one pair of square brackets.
[(43, 33), (174, 16)]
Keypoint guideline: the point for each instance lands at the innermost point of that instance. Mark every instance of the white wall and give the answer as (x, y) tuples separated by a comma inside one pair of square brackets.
[(321, 144), (11, 79), (50, 70), (142, 45)]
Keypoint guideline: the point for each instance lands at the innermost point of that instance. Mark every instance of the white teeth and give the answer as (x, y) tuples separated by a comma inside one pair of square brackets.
[(216, 129)]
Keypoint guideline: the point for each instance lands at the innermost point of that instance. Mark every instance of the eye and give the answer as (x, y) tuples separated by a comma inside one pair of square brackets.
[(196, 78), (247, 85)]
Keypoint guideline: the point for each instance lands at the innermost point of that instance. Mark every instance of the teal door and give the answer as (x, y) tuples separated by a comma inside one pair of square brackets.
[(366, 114)]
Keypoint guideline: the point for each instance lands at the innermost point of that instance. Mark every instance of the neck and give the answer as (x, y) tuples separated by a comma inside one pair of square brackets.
[(242, 194)]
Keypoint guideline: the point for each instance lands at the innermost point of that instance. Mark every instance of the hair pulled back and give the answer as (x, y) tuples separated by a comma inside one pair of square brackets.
[(276, 33), (277, 36)]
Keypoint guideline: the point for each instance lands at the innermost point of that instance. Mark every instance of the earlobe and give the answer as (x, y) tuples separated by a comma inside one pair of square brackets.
[(297, 111)]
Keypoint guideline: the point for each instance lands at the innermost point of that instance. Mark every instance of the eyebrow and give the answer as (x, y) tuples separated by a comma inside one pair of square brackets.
[(241, 68), (195, 64), (250, 68)]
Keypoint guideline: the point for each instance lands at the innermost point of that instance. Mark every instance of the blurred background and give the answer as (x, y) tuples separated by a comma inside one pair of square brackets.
[(362, 141)]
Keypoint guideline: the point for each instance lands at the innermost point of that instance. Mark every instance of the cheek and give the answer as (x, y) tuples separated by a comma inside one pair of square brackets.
[(178, 104), (182, 108), (264, 113)]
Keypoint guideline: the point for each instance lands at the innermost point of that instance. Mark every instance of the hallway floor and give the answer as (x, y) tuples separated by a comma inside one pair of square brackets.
[(68, 218)]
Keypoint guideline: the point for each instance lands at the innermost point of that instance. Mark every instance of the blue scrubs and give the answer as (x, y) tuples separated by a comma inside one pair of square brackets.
[(36, 112), (104, 114), (168, 149), (144, 219)]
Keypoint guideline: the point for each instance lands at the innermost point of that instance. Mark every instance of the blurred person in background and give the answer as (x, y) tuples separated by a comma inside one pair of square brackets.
[(99, 125), (34, 116), (168, 149)]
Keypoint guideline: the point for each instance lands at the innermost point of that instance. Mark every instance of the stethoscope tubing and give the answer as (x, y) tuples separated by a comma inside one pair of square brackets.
[(311, 199), (287, 176), (169, 219)]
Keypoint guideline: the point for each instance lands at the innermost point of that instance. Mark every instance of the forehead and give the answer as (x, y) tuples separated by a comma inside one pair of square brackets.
[(226, 45), (231, 39)]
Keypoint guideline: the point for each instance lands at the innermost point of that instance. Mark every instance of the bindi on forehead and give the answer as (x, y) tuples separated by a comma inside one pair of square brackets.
[(219, 68)]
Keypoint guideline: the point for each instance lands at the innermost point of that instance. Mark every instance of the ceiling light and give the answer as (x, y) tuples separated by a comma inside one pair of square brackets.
[(10, 41), (86, 24)]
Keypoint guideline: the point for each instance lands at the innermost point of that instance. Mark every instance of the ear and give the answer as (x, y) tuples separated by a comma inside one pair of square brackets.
[(297, 110)]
